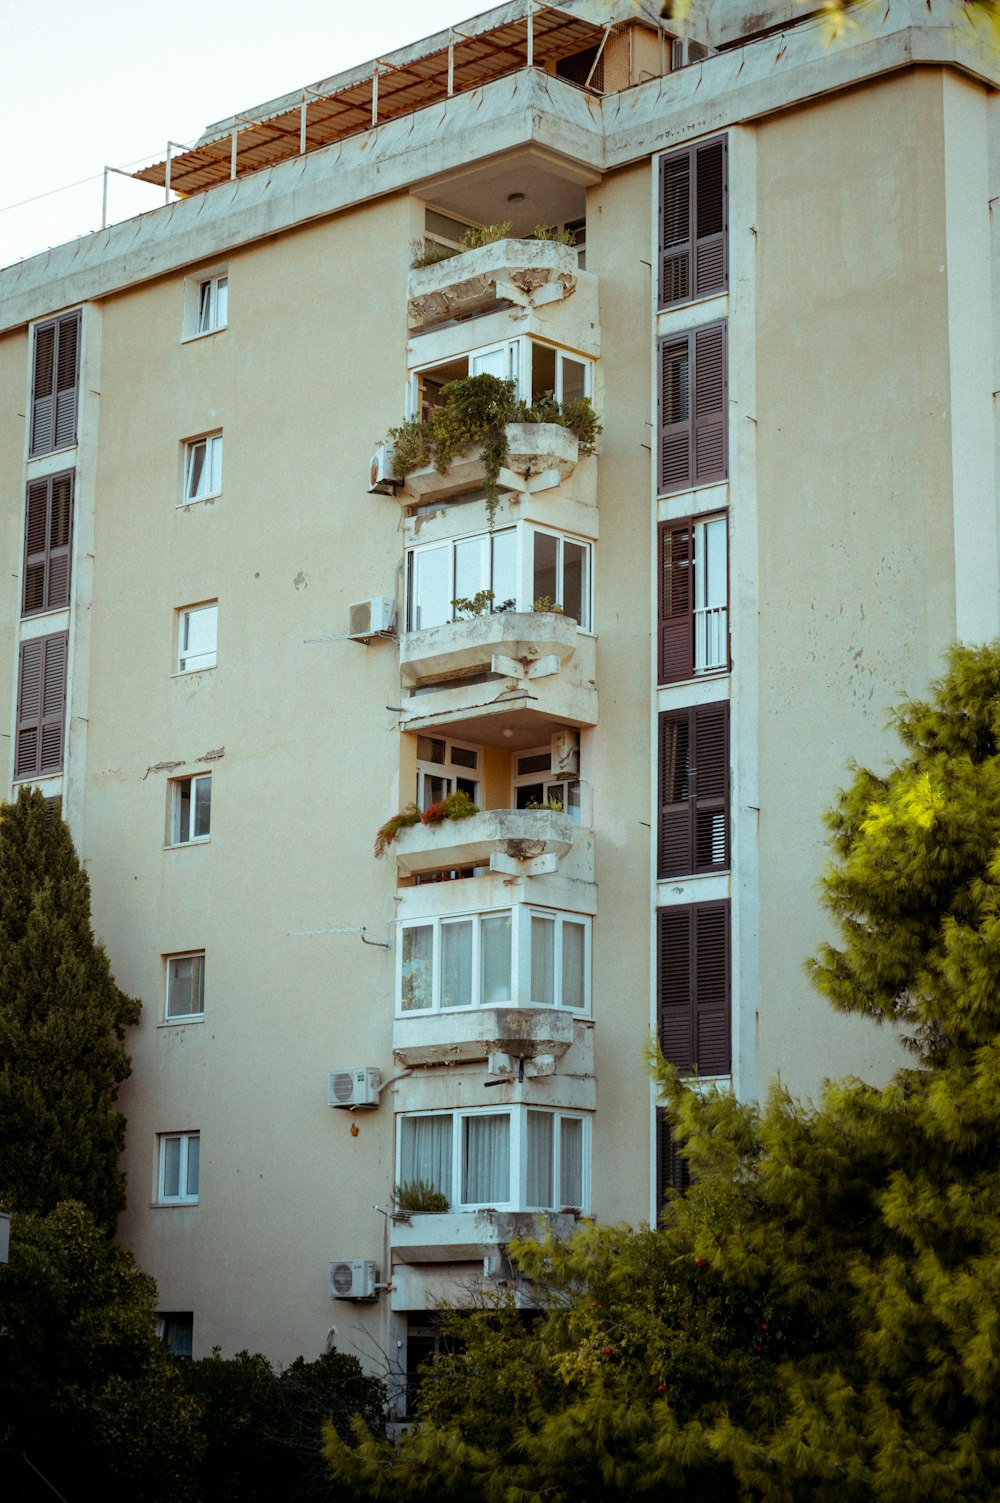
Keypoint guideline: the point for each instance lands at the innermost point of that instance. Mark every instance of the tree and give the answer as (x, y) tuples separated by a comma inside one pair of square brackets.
[(819, 1317), (62, 1025)]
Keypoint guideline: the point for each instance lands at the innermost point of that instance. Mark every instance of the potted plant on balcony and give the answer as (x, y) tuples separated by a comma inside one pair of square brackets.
[(476, 410), (456, 805), (418, 1197)]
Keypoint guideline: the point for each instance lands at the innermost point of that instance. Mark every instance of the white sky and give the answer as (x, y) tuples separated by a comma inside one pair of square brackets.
[(90, 83)]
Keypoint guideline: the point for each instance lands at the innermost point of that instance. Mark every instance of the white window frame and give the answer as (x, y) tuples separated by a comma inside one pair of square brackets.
[(564, 787), (188, 1195), (511, 359), (448, 772), (174, 986), (524, 597), (202, 468), (711, 609), (194, 784), (520, 915), (189, 661), (206, 303), (517, 1168)]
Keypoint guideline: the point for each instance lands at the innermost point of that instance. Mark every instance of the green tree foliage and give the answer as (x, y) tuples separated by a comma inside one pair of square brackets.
[(818, 1319), (62, 1023)]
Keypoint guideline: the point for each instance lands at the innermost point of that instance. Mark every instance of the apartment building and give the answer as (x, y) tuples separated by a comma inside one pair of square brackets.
[(232, 647)]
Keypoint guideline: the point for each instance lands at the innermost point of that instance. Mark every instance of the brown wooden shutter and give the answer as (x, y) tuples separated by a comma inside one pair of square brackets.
[(710, 404), (693, 987), (693, 415), (693, 223), (710, 215), (676, 580), (55, 383), (694, 790), (48, 537), (672, 1172), (41, 705)]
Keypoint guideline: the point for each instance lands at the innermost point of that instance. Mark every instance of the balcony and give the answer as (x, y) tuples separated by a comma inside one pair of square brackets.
[(528, 273), (501, 840), (467, 1236), (540, 456), (540, 1035), (502, 679)]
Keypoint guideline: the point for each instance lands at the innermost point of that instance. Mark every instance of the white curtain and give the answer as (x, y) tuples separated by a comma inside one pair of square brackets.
[(425, 1152), (571, 1161), (543, 960), (495, 933), (456, 964), (538, 1191), (486, 1159), (573, 951)]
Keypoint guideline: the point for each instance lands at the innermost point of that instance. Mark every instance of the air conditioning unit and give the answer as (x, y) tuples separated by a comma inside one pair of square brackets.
[(382, 479), (357, 1087), (371, 618), (353, 1279), (566, 751), (685, 50)]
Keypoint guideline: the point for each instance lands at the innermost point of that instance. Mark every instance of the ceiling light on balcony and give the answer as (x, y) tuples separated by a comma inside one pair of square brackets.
[(515, 198)]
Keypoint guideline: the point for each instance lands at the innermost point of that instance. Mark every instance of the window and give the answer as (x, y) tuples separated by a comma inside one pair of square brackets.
[(694, 593), (517, 565), (672, 1171), (535, 786), (176, 1330), (534, 367), (177, 1179), (196, 637), (202, 468), (519, 957), (518, 1158), (693, 402), (48, 532), (55, 384), (213, 304), (693, 223), (190, 814), (185, 986), (693, 987), (445, 767), (694, 791), (41, 706)]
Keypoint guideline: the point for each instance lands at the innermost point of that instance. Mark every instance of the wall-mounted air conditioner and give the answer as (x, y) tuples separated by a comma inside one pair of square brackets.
[(352, 1279), (355, 1087), (685, 50), (382, 479), (566, 751), (371, 618)]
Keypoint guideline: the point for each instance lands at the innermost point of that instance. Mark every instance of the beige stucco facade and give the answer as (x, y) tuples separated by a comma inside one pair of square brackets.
[(859, 506)]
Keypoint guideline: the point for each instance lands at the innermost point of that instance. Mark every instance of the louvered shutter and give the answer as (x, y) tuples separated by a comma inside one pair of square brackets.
[(41, 700), (676, 624), (675, 413), (710, 402), (47, 544), (55, 384), (693, 223), (710, 219), (693, 987), (672, 1172), (694, 790)]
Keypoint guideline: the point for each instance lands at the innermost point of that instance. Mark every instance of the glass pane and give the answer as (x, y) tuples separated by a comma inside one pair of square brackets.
[(193, 1157), (425, 1152), (486, 1160), (504, 584), (543, 370), (181, 830), (470, 568), (430, 588), (222, 302), (202, 807), (534, 762), (171, 1150), (418, 952), (546, 558), (431, 789), (494, 939), (529, 794), (571, 1162), (575, 586), (573, 953), (184, 988), (205, 307), (538, 1191), (200, 631), (463, 756), (430, 749), (215, 460), (196, 470), (710, 577), (492, 362), (574, 380), (543, 960), (456, 964)]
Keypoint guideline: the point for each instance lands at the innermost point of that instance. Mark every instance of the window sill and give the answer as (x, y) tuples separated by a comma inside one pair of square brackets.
[(182, 845), (197, 500), (189, 672), (191, 1017), (172, 1205), (203, 334)]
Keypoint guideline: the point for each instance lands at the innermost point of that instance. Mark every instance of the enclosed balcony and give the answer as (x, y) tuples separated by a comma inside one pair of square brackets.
[(526, 273)]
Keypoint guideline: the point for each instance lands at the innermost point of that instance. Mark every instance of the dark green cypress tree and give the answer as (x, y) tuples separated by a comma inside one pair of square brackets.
[(62, 1026)]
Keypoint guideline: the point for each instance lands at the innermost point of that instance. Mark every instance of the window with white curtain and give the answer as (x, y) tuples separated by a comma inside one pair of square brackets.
[(518, 566), (519, 1158), (514, 957)]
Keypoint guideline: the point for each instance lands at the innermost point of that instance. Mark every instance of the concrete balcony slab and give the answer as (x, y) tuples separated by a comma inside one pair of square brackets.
[(529, 273)]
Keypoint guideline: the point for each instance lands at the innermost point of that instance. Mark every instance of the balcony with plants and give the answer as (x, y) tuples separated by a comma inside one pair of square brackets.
[(455, 835), (492, 266)]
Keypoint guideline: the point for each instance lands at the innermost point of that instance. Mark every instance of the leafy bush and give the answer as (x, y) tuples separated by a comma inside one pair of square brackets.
[(387, 833), (420, 1196)]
